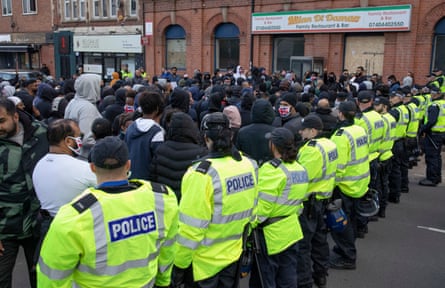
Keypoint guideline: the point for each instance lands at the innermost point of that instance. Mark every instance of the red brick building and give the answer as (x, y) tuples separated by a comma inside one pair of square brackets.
[(203, 35)]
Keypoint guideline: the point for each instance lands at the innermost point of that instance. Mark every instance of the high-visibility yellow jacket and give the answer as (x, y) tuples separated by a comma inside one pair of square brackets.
[(319, 157), (439, 126), (218, 200), (414, 120), (388, 137), (104, 239), (402, 122), (282, 188), (372, 122), (352, 175)]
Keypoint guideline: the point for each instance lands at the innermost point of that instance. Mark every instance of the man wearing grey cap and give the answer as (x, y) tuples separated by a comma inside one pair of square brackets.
[(319, 157), (119, 233)]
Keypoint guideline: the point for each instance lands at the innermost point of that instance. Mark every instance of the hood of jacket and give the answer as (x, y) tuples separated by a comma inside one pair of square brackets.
[(120, 96), (183, 129), (87, 87), (262, 112), (180, 99), (46, 92)]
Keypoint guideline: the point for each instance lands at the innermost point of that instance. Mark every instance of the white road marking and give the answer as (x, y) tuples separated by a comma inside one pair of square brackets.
[(432, 229)]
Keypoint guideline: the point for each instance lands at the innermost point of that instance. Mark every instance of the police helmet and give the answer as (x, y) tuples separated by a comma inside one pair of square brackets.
[(215, 121), (368, 205), (336, 219)]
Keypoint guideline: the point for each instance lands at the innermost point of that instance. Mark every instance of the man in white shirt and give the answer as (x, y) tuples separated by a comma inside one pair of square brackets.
[(59, 177)]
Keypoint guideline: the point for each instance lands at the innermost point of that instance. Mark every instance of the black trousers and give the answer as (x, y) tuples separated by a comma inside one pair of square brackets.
[(395, 177), (277, 270), (226, 278), (313, 256), (7, 261), (383, 183), (433, 148), (345, 240)]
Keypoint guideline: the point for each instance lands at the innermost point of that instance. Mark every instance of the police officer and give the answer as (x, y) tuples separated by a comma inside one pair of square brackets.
[(352, 180), (372, 122), (283, 184), (382, 105), (118, 234), (411, 141), (218, 198), (434, 132), (401, 114), (319, 156)]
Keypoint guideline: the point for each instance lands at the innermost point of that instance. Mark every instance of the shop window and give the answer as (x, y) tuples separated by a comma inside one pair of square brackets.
[(29, 6), (284, 48), (226, 46), (6, 7), (175, 47), (439, 46)]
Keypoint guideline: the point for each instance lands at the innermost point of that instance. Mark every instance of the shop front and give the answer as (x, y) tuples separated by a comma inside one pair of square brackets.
[(104, 54)]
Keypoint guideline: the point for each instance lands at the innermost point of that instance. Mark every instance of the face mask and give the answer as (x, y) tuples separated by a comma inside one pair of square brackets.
[(78, 141), (284, 111)]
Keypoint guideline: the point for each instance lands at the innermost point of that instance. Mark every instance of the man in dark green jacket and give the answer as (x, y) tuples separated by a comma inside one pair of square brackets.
[(22, 143)]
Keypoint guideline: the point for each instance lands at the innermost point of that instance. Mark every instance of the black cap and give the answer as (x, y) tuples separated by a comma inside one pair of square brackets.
[(312, 121), (290, 98), (109, 153), (365, 96), (215, 121), (434, 89), (398, 93), (347, 107), (281, 137), (382, 100)]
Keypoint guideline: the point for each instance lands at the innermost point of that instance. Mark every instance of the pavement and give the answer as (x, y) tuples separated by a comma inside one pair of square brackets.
[(404, 250)]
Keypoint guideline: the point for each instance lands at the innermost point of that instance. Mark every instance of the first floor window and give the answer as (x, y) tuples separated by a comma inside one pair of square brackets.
[(6, 7), (227, 46), (67, 9), (439, 46), (29, 6), (176, 47)]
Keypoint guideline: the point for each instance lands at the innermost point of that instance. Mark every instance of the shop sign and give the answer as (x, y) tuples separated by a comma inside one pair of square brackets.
[(368, 19), (108, 43)]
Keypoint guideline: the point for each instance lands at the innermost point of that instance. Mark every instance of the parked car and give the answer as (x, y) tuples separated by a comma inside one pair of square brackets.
[(12, 75)]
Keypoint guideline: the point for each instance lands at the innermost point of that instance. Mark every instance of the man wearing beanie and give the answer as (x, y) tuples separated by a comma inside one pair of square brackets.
[(288, 117), (319, 157), (119, 233), (352, 180)]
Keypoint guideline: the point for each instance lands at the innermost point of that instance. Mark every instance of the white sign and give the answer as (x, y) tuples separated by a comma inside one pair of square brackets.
[(108, 43), (92, 68), (148, 28), (5, 37), (369, 19)]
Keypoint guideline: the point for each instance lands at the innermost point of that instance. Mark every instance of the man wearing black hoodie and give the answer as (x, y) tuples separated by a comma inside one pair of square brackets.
[(251, 138)]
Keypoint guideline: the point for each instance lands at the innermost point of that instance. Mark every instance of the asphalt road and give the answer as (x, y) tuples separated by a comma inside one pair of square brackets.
[(404, 250)]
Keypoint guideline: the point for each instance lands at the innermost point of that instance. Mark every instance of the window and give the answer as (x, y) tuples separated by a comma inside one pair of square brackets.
[(284, 48), (96, 8), (67, 9), (176, 47), (133, 6), (114, 7), (439, 46), (6, 7), (76, 9), (29, 6), (226, 46)]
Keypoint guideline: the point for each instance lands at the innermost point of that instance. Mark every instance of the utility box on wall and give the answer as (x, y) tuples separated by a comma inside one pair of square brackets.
[(302, 64)]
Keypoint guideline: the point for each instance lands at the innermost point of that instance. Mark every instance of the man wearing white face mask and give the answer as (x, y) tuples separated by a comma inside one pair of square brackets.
[(59, 177), (289, 114)]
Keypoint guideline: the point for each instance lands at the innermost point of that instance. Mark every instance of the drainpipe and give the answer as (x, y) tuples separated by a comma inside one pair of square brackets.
[(252, 7)]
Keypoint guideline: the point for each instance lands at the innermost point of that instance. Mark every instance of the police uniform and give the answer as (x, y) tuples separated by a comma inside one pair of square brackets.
[(282, 189), (412, 130), (118, 234), (434, 130), (385, 155), (401, 114), (319, 156), (352, 180), (218, 200)]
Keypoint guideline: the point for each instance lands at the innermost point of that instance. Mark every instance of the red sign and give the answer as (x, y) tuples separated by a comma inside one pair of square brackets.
[(145, 40)]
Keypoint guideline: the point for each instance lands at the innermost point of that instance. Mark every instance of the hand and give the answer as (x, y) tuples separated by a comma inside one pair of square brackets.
[(2, 249)]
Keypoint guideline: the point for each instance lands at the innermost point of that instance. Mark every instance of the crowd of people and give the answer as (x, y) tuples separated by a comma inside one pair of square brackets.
[(179, 181)]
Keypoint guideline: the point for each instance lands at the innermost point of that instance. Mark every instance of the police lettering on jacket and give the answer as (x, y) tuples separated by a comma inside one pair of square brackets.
[(131, 226), (239, 183), (362, 141)]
